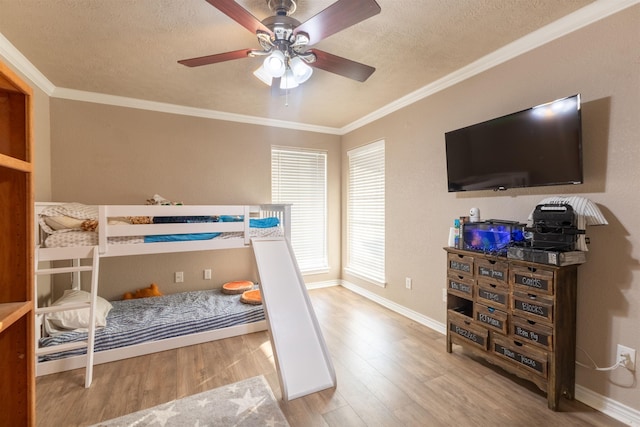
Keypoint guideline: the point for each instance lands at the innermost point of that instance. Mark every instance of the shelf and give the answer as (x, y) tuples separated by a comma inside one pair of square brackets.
[(13, 163), (12, 311), (17, 341)]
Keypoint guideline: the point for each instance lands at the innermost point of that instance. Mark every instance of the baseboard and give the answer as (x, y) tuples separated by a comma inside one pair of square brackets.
[(320, 285), (607, 406)]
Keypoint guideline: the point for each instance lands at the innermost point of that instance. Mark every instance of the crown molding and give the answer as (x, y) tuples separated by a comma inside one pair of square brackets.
[(587, 15), (141, 104), (24, 66)]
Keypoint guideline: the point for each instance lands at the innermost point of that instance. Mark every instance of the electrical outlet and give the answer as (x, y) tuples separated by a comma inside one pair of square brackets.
[(206, 274), (628, 355), (407, 282), (444, 294), (179, 277)]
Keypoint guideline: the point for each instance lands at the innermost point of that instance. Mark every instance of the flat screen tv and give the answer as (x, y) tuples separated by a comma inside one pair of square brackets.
[(538, 146)]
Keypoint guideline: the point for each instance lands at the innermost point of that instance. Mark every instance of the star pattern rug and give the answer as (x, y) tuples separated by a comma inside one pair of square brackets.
[(245, 403)]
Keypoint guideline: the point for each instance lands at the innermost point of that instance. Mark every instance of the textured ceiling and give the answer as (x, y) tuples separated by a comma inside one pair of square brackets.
[(130, 47)]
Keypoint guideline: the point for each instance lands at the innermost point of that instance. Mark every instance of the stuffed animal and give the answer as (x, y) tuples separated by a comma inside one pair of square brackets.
[(151, 291)]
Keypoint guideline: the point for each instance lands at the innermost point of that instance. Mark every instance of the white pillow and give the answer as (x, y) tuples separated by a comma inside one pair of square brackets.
[(63, 222), (77, 318)]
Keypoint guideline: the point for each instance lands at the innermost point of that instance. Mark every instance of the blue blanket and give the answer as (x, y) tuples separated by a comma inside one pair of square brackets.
[(253, 223), (180, 237)]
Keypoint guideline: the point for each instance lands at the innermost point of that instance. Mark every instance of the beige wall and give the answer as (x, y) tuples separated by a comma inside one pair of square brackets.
[(111, 155), (601, 63)]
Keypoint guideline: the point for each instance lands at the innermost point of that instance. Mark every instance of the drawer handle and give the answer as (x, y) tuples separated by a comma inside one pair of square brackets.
[(491, 261), (493, 285), (491, 309), (531, 296), (466, 322), (519, 344), (531, 322), (460, 277), (532, 269)]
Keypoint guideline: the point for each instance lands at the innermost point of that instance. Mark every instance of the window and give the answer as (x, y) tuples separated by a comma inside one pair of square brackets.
[(299, 177), (365, 213)]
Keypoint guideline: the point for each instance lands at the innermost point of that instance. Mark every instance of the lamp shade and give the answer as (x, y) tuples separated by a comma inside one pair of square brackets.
[(274, 64), (263, 75), (301, 71), (288, 81)]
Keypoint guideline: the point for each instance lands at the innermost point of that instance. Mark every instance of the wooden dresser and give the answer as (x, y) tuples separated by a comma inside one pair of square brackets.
[(17, 377), (518, 315)]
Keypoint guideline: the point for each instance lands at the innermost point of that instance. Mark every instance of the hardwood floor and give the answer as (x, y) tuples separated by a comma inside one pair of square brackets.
[(391, 372)]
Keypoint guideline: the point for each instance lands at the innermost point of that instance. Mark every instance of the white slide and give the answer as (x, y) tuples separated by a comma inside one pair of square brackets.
[(302, 358)]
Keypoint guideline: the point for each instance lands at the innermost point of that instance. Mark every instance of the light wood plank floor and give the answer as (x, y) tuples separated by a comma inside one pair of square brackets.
[(391, 372)]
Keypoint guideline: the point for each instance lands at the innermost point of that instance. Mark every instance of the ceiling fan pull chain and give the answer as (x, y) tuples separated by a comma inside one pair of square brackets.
[(286, 91)]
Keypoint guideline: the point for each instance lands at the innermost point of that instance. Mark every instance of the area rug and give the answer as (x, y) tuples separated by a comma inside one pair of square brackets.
[(245, 403)]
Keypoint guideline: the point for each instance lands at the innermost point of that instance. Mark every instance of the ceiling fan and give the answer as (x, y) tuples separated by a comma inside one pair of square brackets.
[(286, 43)]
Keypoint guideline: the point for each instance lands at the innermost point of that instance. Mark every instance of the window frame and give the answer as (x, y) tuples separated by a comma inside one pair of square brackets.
[(366, 258), (312, 257)]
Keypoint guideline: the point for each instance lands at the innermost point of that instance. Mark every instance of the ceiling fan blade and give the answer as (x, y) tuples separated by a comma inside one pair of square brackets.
[(342, 66), (239, 14), (213, 59), (340, 15)]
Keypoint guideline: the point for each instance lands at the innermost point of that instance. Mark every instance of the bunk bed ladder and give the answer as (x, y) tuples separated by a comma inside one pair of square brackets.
[(76, 269)]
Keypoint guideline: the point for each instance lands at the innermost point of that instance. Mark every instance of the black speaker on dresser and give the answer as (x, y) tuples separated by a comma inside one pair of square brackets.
[(554, 227)]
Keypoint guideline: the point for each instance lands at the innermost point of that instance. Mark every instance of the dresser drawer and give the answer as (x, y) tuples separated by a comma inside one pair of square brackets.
[(460, 265), (531, 279), (464, 329), (532, 359), (535, 333), (491, 318), (492, 295), (532, 306), (461, 286), (495, 271)]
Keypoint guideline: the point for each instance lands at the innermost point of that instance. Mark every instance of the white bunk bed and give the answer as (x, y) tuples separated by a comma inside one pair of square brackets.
[(223, 227)]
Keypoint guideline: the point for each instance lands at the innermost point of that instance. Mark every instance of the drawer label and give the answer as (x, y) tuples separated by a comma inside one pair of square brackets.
[(528, 307), (462, 287), (490, 272), (460, 266), (471, 336), (519, 357), (531, 335), (492, 296), (532, 282), (489, 320)]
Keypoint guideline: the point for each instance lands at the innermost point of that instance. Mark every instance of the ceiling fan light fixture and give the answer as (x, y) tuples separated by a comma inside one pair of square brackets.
[(263, 75), (288, 80), (275, 64), (300, 70)]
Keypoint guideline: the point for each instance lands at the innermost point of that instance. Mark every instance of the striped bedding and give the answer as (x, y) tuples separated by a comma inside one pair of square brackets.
[(149, 319)]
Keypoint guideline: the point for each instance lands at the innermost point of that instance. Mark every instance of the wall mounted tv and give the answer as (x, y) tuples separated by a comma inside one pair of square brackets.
[(538, 146)]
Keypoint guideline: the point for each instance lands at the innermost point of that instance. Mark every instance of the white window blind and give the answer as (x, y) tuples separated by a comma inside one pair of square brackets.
[(365, 213), (299, 177)]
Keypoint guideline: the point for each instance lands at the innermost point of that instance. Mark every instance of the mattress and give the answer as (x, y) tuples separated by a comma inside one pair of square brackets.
[(90, 238), (150, 319)]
